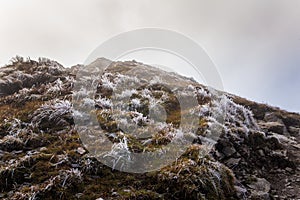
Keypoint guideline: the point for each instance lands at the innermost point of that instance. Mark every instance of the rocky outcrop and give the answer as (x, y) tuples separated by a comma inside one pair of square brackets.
[(239, 150)]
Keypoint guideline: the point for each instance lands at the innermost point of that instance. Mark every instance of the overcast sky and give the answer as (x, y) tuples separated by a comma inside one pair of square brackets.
[(255, 44)]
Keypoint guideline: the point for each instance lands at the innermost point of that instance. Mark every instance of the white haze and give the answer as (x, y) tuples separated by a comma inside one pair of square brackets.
[(255, 44)]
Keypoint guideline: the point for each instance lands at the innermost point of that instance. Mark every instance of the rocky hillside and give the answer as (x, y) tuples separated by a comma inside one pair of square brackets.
[(234, 148)]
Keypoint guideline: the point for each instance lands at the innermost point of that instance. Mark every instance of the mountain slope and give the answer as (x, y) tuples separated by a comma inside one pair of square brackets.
[(239, 149)]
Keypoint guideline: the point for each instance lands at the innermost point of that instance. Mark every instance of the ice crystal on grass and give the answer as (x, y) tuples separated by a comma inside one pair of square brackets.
[(120, 154), (50, 66), (138, 118), (15, 127), (136, 102), (56, 87), (104, 103), (71, 176), (126, 93), (55, 114), (106, 82), (234, 114), (197, 177)]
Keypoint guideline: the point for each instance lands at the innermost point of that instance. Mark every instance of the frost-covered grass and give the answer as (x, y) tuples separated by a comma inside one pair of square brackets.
[(127, 109), (120, 155), (225, 115), (55, 114), (123, 105), (197, 177), (70, 177), (56, 87)]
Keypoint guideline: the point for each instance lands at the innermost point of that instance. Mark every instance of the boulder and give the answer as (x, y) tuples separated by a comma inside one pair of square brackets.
[(275, 127)]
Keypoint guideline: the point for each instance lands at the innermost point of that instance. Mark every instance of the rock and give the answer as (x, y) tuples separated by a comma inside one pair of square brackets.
[(297, 146), (39, 93), (226, 148), (284, 140), (261, 152), (279, 153), (219, 155), (260, 196), (271, 117), (291, 119), (257, 139), (288, 169), (275, 127), (294, 131), (241, 192), (232, 162), (228, 151), (260, 189), (273, 142)]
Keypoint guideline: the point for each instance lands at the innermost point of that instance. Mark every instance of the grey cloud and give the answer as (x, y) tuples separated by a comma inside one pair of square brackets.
[(252, 42)]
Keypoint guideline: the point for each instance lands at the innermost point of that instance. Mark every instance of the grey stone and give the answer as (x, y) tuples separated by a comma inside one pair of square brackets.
[(294, 131), (288, 169), (241, 191), (260, 189), (297, 146), (228, 151), (232, 162), (275, 127), (271, 117), (261, 152)]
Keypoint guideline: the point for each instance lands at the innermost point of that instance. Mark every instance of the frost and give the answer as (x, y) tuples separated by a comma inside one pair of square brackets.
[(71, 176), (139, 118), (50, 66), (237, 113), (178, 135), (104, 103), (136, 103), (156, 80), (15, 127), (106, 83), (120, 154), (63, 158), (121, 79), (80, 94), (55, 113), (87, 102), (126, 93), (202, 93), (56, 88)]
